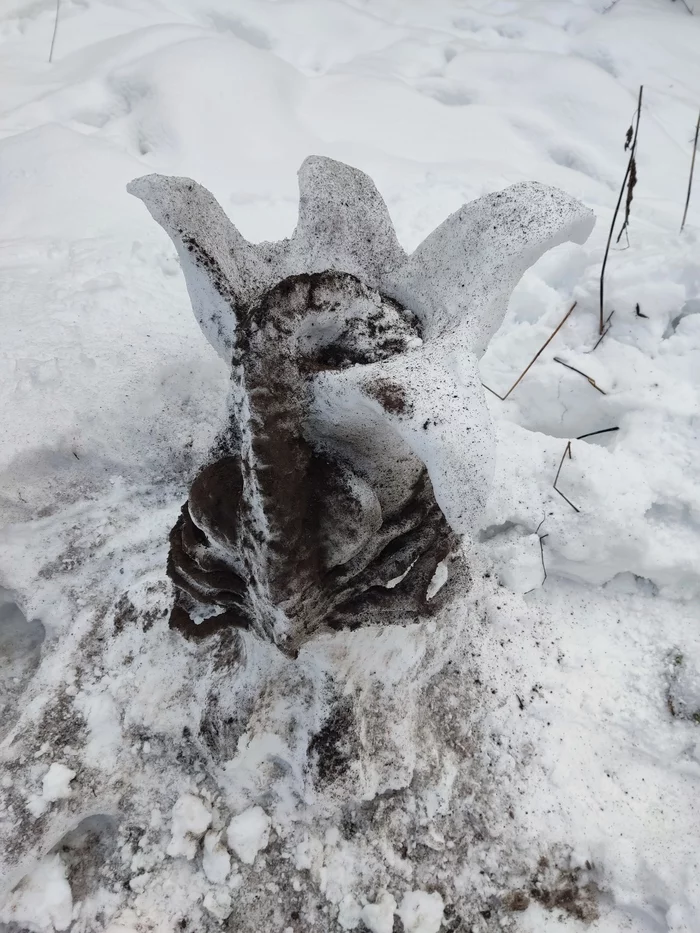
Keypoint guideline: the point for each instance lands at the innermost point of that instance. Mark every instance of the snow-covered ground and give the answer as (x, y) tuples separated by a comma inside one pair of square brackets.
[(530, 762)]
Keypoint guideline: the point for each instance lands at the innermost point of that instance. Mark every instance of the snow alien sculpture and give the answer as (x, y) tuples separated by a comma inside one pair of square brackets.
[(358, 446)]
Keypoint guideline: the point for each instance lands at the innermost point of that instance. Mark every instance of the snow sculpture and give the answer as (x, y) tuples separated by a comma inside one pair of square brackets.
[(358, 447)]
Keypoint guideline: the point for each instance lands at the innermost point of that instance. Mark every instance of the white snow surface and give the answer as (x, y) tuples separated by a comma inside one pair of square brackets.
[(537, 719)]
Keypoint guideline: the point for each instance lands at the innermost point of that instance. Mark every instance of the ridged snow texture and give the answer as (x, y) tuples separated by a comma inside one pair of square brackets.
[(359, 445)]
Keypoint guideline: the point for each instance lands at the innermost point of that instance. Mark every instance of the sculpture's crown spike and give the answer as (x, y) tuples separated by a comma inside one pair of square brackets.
[(461, 276), (343, 223), (223, 271)]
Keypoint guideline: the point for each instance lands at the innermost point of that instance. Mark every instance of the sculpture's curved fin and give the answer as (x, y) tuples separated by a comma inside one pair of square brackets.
[(343, 223), (223, 271), (442, 420), (461, 276)]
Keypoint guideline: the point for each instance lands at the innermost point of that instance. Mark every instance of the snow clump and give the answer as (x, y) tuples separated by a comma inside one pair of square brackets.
[(421, 912), (248, 833), (379, 917), (191, 819)]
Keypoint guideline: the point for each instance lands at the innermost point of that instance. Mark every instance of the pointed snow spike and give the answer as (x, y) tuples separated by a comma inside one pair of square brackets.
[(223, 271), (343, 223), (438, 415), (461, 276)]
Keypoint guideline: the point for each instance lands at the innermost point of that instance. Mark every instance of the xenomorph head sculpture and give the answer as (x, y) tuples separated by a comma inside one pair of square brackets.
[(358, 446)]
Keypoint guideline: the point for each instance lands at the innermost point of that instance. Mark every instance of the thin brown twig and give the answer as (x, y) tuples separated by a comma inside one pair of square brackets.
[(593, 433), (617, 210), (55, 30), (556, 478), (631, 185), (541, 540), (544, 568), (622, 249), (567, 450), (692, 169), (608, 325), (590, 379), (599, 340), (535, 357)]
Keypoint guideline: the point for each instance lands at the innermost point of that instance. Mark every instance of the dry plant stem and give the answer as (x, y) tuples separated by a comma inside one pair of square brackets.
[(692, 169), (588, 378), (617, 210), (55, 30), (535, 357), (600, 339), (567, 450), (593, 433), (544, 569), (541, 538), (631, 185), (598, 342), (556, 478)]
